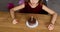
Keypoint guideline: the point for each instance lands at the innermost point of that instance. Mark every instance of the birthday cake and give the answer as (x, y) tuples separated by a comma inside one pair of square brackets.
[(32, 23)]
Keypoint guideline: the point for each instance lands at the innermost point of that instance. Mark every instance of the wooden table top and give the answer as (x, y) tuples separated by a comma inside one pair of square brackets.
[(44, 20)]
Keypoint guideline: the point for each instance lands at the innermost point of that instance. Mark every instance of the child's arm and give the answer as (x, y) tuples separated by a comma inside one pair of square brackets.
[(54, 17), (15, 9), (54, 14), (12, 12)]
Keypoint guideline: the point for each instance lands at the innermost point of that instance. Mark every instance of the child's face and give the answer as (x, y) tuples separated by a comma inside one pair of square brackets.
[(34, 1)]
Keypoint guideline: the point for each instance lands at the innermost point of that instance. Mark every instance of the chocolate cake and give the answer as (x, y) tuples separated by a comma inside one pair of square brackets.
[(31, 21)]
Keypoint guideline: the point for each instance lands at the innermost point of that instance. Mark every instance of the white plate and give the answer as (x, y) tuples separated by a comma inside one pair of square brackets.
[(32, 26)]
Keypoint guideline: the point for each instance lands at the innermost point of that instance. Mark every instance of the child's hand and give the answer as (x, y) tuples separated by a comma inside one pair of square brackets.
[(51, 27), (15, 21)]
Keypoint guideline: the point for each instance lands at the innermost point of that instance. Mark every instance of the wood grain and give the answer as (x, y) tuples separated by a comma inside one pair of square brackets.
[(44, 20)]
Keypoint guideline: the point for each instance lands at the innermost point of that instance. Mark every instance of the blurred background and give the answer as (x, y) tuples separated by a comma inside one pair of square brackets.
[(52, 4)]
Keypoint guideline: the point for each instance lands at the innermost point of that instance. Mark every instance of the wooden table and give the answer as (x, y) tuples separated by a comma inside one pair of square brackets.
[(7, 26)]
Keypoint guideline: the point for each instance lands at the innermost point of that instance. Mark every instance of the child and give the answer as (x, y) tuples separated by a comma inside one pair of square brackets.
[(34, 6)]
